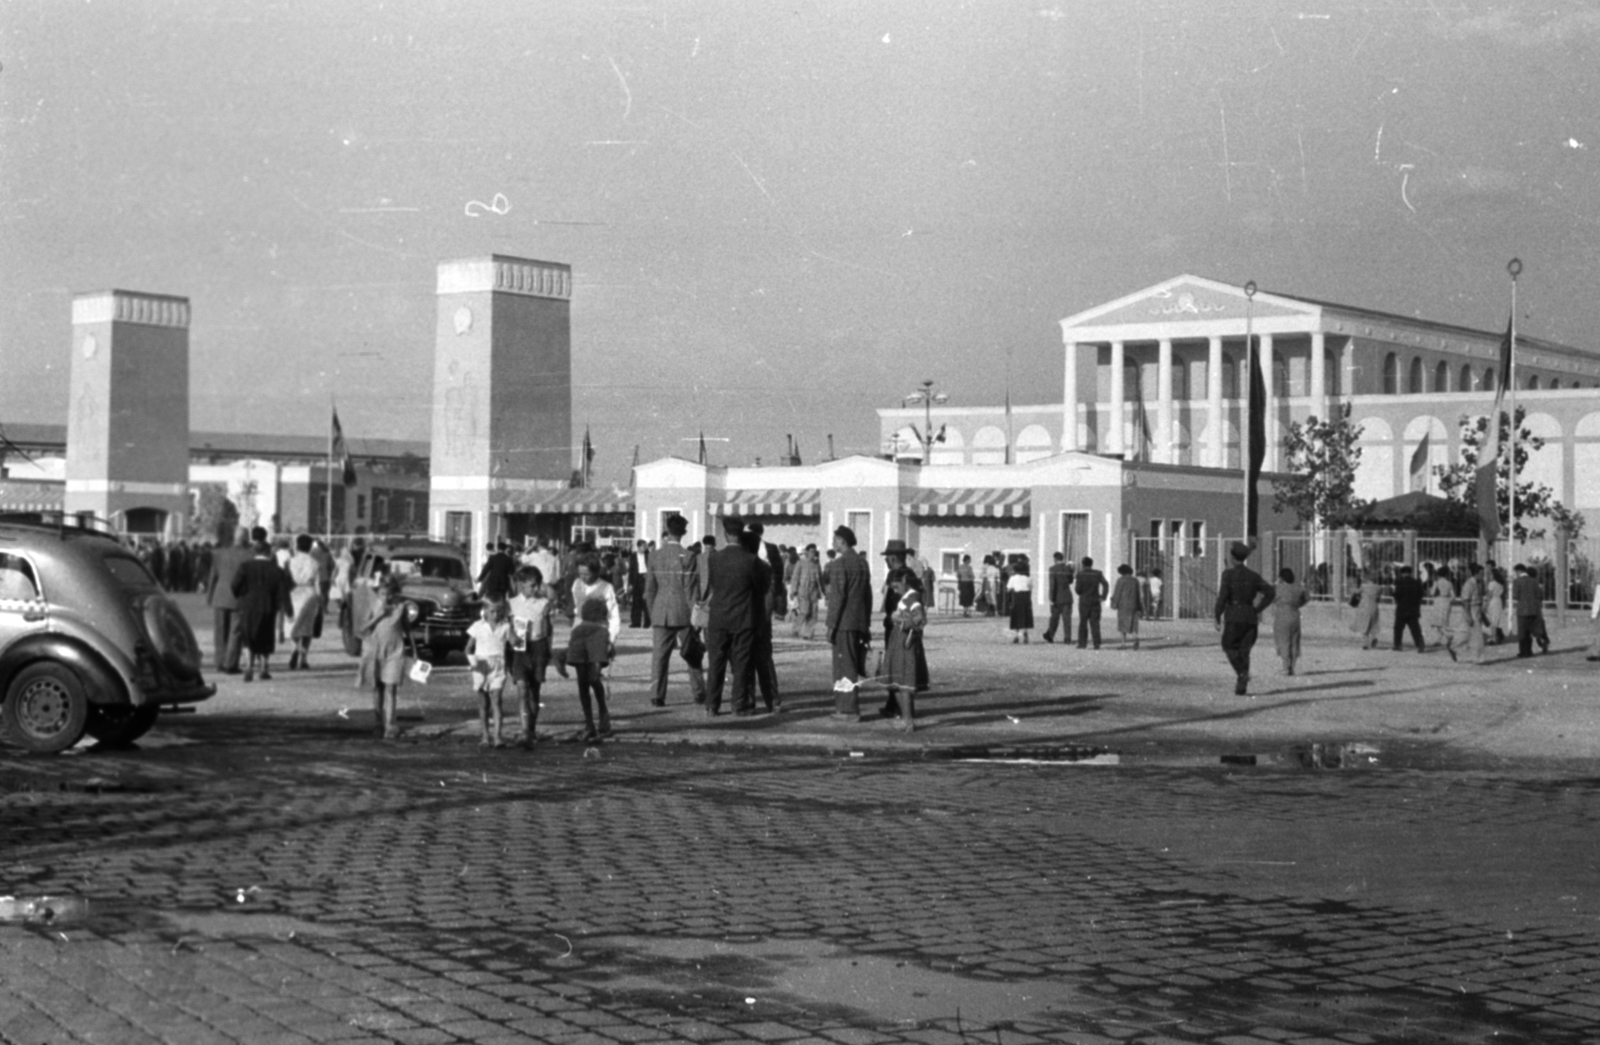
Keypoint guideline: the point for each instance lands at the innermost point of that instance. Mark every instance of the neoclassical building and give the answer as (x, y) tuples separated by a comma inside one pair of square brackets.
[(1157, 376)]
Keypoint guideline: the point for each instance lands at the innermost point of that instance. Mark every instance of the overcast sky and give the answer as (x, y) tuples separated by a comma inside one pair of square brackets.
[(779, 217)]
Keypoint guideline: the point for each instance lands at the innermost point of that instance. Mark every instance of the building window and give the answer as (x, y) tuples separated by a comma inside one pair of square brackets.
[(1488, 379), (411, 511), (381, 510), (1441, 378), (361, 507), (1230, 377), (1391, 374), (1197, 538), (1555, 382), (1533, 381), (1280, 375), (1414, 377), (1466, 378), (1075, 536), (458, 529)]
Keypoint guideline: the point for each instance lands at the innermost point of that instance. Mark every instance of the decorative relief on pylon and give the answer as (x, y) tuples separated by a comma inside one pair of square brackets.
[(122, 306), (535, 279)]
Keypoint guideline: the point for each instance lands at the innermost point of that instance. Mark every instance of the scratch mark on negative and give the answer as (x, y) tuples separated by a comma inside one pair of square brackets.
[(627, 94)]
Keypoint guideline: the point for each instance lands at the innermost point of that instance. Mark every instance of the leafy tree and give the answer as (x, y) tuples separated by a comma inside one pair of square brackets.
[(1321, 458), (1534, 500), (214, 517)]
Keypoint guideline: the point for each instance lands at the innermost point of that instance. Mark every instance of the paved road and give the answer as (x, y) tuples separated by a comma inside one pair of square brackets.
[(264, 871), (321, 887)]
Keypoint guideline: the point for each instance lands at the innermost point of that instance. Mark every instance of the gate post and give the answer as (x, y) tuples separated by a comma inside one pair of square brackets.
[(1335, 560), (1563, 580)]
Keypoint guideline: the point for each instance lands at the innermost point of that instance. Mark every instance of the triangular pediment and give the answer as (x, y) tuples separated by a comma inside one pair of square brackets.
[(1186, 299)]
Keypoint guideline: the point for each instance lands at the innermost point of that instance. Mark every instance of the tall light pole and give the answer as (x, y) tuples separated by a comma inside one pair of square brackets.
[(927, 397)]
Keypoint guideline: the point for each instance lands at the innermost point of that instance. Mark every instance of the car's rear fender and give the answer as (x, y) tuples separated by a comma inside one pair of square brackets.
[(102, 684)]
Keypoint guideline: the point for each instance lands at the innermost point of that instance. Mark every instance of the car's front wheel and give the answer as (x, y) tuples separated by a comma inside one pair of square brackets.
[(46, 709), (118, 725)]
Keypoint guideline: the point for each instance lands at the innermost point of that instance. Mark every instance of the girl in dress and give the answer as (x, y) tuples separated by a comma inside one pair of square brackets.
[(1020, 590), (904, 658), (383, 652)]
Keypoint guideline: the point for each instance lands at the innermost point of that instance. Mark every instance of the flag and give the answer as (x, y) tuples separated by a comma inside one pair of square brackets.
[(702, 447), (1419, 464), (1257, 420), (1486, 481), (1141, 415), (588, 455), (340, 451), (632, 472)]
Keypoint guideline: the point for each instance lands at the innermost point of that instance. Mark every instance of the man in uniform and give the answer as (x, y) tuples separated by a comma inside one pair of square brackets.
[(1241, 597)]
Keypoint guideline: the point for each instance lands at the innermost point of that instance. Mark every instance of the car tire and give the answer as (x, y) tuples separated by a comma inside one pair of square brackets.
[(46, 709), (118, 725)]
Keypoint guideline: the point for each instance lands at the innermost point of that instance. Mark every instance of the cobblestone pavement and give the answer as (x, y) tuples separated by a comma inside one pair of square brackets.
[(321, 887)]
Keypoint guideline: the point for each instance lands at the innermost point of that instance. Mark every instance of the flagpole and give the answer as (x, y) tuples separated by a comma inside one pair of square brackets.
[(1514, 267), (333, 411), (1244, 415)]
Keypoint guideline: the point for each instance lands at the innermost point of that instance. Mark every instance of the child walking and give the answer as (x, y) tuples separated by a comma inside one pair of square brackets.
[(589, 650), (383, 652), (531, 612), (904, 652), (487, 640)]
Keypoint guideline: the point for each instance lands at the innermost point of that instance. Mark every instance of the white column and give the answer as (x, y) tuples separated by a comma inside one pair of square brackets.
[(1319, 368), (1217, 451), (1270, 461), (1166, 441), (1116, 444), (1069, 400)]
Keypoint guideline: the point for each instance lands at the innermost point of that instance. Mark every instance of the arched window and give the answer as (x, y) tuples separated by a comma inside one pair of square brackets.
[(1533, 381), (1414, 377), (1488, 379), (1466, 378), (1555, 382), (1391, 374), (1230, 377), (1441, 377)]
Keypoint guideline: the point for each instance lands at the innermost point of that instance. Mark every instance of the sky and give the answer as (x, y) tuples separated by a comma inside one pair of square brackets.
[(779, 217)]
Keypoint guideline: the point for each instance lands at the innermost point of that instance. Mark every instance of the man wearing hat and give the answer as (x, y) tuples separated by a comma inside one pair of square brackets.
[(849, 621), (1237, 612)]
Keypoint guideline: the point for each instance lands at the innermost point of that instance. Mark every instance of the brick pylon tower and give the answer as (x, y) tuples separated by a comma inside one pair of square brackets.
[(502, 390), (128, 419)]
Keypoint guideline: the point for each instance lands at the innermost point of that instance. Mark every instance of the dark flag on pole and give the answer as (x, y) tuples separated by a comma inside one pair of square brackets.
[(702, 448), (1257, 421), (1419, 464), (1486, 479), (340, 452), (588, 455)]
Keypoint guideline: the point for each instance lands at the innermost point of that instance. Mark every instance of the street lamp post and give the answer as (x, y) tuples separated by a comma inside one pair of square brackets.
[(927, 397)]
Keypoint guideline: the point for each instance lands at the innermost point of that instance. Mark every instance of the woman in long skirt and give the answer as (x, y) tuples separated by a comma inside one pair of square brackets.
[(966, 585), (1020, 588), (1125, 600), (1286, 618), (904, 658), (1443, 590), (1364, 622), (305, 601)]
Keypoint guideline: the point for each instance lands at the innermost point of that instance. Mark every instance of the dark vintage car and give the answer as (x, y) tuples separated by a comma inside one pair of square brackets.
[(89, 643), (434, 577)]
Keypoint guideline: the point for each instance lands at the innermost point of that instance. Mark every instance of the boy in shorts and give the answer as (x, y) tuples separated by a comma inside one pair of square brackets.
[(486, 654), (531, 610)]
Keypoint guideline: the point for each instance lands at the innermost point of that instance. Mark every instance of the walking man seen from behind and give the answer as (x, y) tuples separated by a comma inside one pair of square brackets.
[(1060, 600), (1092, 590), (1241, 596)]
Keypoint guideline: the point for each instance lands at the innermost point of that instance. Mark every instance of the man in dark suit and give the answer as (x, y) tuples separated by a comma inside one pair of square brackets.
[(1060, 599), (1408, 596), (849, 621), (638, 570), (228, 639), (1241, 596), (671, 589), (1092, 590), (1527, 601), (761, 652), (494, 580), (737, 584)]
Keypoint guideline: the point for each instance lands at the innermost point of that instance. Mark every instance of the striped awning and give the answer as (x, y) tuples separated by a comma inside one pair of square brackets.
[(998, 503), (771, 502), (567, 502), (31, 497)]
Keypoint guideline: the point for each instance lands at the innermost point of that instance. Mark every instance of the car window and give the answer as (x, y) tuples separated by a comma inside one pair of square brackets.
[(130, 573), (17, 579), (436, 567)]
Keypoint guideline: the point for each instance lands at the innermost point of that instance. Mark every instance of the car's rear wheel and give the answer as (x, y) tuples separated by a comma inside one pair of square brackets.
[(118, 725), (46, 709)]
